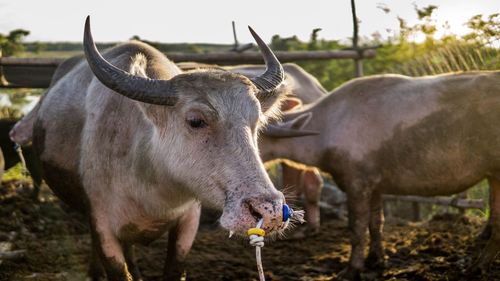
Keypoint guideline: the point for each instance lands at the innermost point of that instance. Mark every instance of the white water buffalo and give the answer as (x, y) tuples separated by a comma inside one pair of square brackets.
[(134, 143), (303, 181), (20, 132), (435, 135)]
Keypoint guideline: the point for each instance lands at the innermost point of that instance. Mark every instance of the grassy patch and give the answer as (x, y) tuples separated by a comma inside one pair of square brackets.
[(16, 173)]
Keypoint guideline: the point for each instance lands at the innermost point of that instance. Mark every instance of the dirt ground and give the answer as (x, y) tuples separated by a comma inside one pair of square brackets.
[(57, 243)]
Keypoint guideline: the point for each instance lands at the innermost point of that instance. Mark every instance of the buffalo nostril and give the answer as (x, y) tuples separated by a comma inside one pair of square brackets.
[(257, 216)]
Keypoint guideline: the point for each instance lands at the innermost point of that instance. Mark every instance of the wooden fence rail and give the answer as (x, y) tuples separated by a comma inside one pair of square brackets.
[(333, 198), (37, 72), (217, 58), (455, 202)]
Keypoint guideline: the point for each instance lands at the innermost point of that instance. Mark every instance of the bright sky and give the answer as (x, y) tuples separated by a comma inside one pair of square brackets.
[(210, 21)]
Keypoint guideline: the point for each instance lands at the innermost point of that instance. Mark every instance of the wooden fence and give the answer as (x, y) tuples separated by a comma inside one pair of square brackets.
[(332, 198), (459, 202), (37, 72)]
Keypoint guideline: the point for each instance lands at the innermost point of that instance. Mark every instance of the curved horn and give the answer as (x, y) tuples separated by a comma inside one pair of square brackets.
[(274, 74), (137, 88), (275, 131)]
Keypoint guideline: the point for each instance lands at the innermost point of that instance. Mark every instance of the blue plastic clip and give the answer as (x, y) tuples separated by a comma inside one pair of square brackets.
[(286, 212)]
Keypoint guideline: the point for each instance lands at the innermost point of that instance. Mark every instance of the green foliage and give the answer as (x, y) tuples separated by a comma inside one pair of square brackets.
[(480, 191), (425, 12), (11, 43), (18, 99), (16, 173), (10, 112), (484, 31), (400, 53), (330, 73), (38, 47)]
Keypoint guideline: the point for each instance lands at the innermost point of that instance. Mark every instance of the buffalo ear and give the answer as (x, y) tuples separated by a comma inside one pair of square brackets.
[(138, 65), (290, 128), (290, 103), (270, 103), (299, 122)]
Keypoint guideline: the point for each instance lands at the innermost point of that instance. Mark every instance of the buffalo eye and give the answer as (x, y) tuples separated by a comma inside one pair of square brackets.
[(197, 123), (196, 120)]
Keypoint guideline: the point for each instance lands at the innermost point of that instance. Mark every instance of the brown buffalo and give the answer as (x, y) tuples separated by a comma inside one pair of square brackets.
[(435, 135)]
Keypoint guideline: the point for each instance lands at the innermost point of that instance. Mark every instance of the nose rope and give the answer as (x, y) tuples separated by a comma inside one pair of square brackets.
[(19, 152), (256, 235)]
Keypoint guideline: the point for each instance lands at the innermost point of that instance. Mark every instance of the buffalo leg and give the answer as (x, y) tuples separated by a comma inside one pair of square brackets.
[(129, 252), (492, 247), (293, 178), (486, 233), (358, 206), (180, 240), (96, 272), (109, 250), (312, 185), (34, 170), (376, 254), (36, 192), (37, 184)]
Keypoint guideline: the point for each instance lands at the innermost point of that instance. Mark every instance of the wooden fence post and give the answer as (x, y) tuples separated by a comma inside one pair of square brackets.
[(415, 206), (462, 195), (358, 62), (236, 43), (3, 81)]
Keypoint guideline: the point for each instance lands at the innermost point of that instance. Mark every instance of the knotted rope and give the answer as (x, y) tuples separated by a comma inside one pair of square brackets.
[(256, 235), (19, 151)]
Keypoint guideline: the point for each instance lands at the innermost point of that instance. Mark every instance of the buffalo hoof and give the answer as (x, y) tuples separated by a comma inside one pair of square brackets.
[(375, 262), (174, 275), (95, 272), (35, 197), (136, 274), (477, 270), (302, 232), (96, 278), (485, 234), (349, 274), (311, 232)]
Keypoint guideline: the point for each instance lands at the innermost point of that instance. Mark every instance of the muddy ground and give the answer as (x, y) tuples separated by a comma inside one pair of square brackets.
[(57, 243)]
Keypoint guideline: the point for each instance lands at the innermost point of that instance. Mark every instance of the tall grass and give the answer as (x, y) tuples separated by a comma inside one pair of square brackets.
[(452, 57)]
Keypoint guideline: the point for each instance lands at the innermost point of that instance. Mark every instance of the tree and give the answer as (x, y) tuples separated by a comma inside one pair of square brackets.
[(12, 43), (485, 31)]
